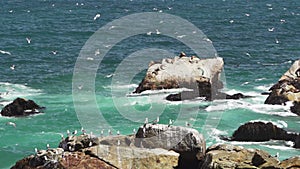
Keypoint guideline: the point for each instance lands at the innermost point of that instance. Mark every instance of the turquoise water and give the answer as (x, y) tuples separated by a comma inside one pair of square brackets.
[(241, 32)]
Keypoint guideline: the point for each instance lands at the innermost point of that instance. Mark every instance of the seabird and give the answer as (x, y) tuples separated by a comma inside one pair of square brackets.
[(12, 67), (118, 132), (48, 146), (109, 132), (102, 131), (68, 133), (134, 131), (149, 33), (156, 121), (5, 52), (144, 132), (182, 54), (187, 124), (28, 40), (54, 52), (118, 143), (97, 52), (97, 16), (157, 32), (74, 132), (83, 131), (11, 124), (90, 144), (170, 122), (146, 121), (35, 150), (271, 29)]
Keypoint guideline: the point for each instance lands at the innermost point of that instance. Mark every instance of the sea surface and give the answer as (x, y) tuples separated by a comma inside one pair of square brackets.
[(258, 40)]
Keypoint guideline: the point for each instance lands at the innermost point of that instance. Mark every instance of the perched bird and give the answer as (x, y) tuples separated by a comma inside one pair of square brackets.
[(35, 150), (170, 123), (83, 131), (74, 132), (187, 124), (156, 121), (118, 132), (146, 121), (68, 133), (102, 131), (48, 146), (134, 131), (109, 132), (118, 143), (144, 132), (90, 144)]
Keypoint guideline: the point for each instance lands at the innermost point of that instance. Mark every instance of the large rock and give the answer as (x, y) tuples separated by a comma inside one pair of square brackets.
[(58, 159), (75, 143), (291, 163), (21, 107), (126, 157), (287, 88), (201, 75), (226, 156), (261, 131), (189, 143)]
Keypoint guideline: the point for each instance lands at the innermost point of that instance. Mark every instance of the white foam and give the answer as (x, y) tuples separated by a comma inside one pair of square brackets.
[(278, 123), (278, 147)]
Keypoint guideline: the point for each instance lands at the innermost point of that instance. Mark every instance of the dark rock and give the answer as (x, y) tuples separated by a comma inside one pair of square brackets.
[(21, 107), (296, 108), (259, 131), (237, 96), (226, 156)]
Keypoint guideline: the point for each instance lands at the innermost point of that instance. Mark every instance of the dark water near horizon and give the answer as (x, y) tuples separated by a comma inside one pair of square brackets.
[(258, 41)]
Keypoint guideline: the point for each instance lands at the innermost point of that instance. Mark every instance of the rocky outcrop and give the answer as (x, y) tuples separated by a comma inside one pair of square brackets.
[(296, 108), (200, 75), (260, 131), (291, 163), (189, 143), (287, 88), (153, 146), (135, 158), (58, 159), (21, 107), (226, 156)]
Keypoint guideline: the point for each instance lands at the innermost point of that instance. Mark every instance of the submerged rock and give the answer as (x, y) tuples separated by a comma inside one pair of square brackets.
[(21, 107), (226, 156), (201, 75)]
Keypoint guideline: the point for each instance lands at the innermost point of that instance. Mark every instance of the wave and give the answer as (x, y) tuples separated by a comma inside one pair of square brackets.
[(278, 123), (158, 92), (10, 91)]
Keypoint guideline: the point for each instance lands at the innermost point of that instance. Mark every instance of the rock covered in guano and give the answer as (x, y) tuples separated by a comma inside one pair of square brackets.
[(202, 75)]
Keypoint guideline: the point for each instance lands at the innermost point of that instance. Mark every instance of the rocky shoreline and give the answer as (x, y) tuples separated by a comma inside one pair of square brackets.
[(175, 147), (152, 146)]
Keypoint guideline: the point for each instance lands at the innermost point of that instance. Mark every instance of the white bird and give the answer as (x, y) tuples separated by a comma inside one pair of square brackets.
[(54, 52), (246, 14), (118, 132), (28, 40), (5, 52), (149, 33), (11, 124), (45, 157), (118, 143), (35, 150), (156, 121), (271, 29), (146, 121), (109, 132), (276, 41), (90, 144), (74, 132), (102, 132), (13, 67), (96, 16), (170, 122), (231, 21), (144, 131), (134, 131), (48, 146), (68, 133), (157, 32), (97, 52)]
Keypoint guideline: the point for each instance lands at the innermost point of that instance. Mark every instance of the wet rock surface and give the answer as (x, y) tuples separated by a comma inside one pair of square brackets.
[(21, 107)]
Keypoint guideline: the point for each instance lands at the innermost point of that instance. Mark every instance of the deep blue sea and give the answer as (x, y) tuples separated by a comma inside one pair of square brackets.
[(258, 40)]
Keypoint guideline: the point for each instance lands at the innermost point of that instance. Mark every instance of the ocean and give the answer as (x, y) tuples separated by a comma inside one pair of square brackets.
[(258, 41)]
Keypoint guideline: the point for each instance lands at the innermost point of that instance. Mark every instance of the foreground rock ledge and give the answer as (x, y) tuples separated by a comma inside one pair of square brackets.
[(201, 75), (21, 107)]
